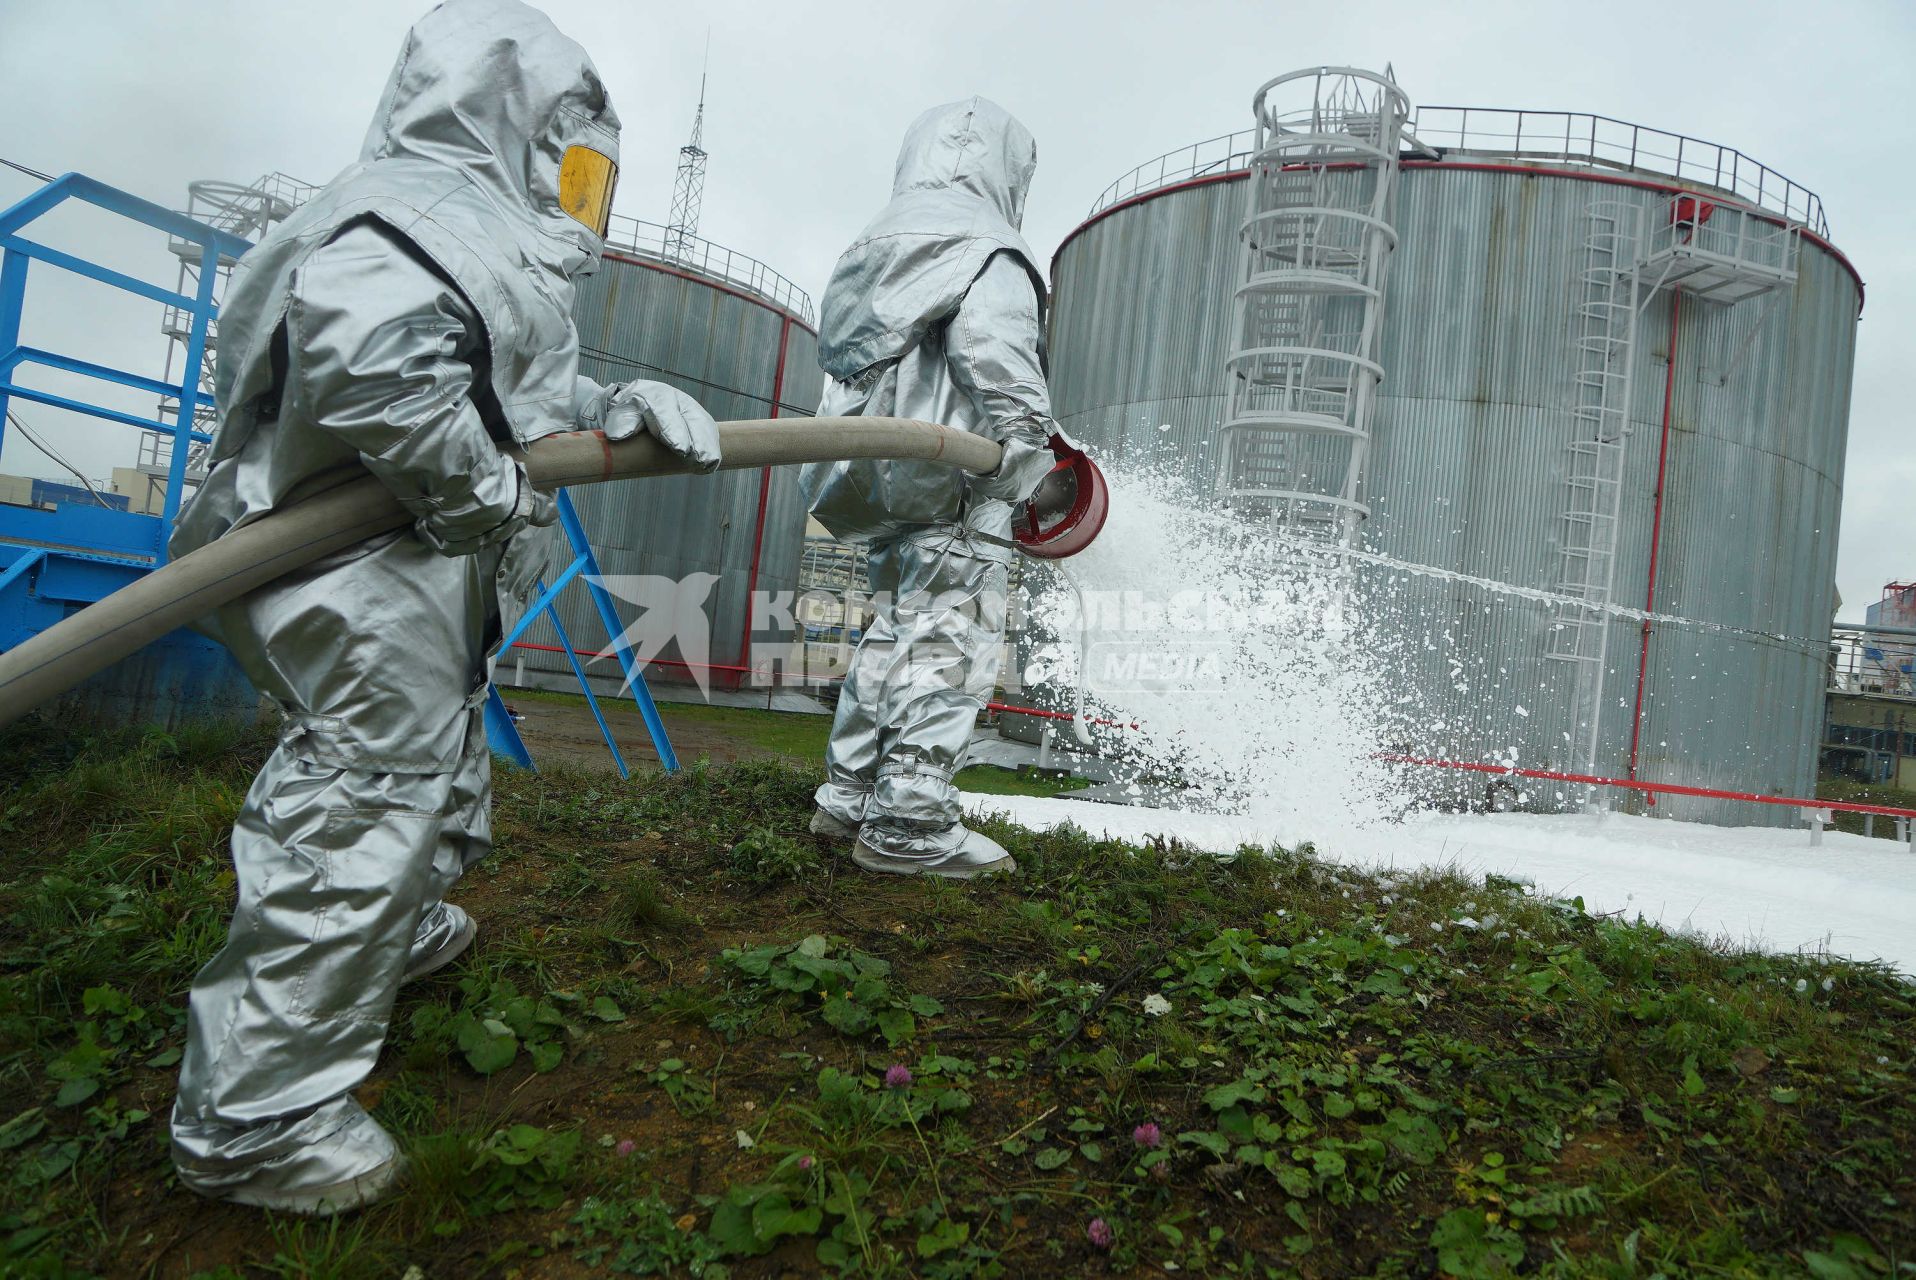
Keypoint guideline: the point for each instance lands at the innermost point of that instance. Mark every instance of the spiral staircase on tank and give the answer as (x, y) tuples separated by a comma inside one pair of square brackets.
[(1303, 370)]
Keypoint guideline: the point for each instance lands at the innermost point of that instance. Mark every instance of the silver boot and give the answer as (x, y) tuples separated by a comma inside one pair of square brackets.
[(832, 827), (973, 855), (335, 1159), (443, 937)]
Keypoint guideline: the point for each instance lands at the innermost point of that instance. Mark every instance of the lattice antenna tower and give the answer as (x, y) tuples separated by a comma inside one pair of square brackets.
[(688, 188)]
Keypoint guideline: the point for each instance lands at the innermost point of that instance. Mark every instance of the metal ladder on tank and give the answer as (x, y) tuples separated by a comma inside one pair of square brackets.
[(1604, 332), (1303, 371)]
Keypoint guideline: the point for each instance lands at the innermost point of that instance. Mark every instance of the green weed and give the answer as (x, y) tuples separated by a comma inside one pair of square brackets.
[(690, 1091), (852, 990), (642, 903), (520, 1167), (640, 1236), (328, 1249), (495, 1023), (765, 857)]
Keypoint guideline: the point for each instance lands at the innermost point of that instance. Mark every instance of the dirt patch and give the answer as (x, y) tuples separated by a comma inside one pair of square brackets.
[(566, 734)]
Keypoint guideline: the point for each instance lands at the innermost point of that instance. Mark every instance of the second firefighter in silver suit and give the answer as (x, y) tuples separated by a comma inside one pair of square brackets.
[(935, 312)]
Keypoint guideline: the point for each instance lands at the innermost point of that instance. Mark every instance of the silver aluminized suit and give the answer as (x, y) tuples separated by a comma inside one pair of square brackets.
[(408, 320), (935, 312)]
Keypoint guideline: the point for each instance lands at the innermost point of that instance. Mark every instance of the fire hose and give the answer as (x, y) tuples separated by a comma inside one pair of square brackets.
[(247, 557)]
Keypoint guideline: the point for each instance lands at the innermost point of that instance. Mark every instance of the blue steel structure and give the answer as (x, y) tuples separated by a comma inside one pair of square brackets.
[(17, 253), (55, 562), (501, 732), (47, 493)]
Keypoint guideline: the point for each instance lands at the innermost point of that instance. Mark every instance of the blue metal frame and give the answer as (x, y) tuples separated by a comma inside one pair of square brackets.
[(502, 736), (501, 732), (53, 562), (17, 253), (18, 570)]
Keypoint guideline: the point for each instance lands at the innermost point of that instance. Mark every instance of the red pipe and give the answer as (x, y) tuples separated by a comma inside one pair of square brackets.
[(1654, 788), (764, 496), (1656, 531), (1429, 762), (1056, 715)]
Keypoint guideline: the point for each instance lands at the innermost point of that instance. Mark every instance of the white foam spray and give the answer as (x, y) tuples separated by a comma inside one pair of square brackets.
[(1240, 672), (1262, 676)]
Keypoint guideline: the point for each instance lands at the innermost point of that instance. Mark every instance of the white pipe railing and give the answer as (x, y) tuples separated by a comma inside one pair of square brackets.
[(1596, 141)]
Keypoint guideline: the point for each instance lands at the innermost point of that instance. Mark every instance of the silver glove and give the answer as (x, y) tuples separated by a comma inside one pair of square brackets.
[(1023, 469), (674, 419), (530, 507), (545, 508)]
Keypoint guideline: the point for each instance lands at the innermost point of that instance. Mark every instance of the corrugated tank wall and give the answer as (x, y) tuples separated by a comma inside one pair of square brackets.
[(722, 347), (1139, 318), (1468, 472), (1752, 502)]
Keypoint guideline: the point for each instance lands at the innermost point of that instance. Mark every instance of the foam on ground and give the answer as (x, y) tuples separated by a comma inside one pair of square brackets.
[(1764, 888), (1276, 741)]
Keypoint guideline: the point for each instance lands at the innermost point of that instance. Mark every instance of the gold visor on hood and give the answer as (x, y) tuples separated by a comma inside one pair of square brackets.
[(586, 182)]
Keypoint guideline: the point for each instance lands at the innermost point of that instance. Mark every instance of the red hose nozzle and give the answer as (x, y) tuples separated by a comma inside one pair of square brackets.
[(1065, 514)]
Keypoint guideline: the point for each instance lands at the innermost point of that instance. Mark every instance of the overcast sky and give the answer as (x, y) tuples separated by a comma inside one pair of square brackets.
[(807, 102)]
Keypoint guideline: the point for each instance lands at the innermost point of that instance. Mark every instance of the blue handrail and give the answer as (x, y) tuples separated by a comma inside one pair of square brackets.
[(17, 253)]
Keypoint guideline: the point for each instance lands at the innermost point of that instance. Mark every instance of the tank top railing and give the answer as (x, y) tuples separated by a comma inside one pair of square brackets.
[(1572, 138), (1594, 141), (674, 247)]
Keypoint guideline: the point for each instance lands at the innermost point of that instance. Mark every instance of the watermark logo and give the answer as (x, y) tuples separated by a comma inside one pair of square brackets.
[(671, 611), (1156, 665), (1137, 642), (1166, 666)]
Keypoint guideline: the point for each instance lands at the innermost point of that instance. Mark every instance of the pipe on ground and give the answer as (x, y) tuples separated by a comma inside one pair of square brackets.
[(181, 591)]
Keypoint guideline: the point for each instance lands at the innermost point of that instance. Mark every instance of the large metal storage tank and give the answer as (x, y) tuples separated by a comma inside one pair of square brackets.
[(1472, 434), (740, 338)]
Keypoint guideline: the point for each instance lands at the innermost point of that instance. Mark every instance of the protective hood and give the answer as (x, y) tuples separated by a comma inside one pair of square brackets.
[(958, 197), (462, 162), (492, 89), (974, 147)]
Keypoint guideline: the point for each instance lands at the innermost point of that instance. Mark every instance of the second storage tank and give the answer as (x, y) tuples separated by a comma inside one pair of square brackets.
[(1722, 497), (739, 338)]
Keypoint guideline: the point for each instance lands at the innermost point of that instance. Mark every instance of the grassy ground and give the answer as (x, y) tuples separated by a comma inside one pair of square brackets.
[(692, 1041), (799, 736)]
